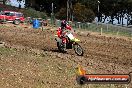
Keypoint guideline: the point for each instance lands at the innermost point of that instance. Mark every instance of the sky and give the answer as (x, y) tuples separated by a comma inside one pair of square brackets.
[(15, 3)]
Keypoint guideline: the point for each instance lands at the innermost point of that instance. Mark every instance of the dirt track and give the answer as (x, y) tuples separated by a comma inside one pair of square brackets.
[(101, 54)]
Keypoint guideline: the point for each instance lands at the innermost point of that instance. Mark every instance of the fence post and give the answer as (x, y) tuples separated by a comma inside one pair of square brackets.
[(79, 25), (101, 30), (88, 25), (117, 33), (131, 36), (107, 27)]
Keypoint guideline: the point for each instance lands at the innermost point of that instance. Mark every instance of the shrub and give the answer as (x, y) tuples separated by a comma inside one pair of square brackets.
[(30, 12)]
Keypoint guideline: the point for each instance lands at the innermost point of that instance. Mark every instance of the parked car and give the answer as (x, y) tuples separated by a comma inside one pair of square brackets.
[(12, 16)]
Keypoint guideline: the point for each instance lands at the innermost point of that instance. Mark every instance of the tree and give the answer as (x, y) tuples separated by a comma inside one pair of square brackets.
[(4, 2), (81, 13), (113, 8), (61, 14)]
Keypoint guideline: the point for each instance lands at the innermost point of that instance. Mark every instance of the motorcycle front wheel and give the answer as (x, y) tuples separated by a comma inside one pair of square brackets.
[(78, 49)]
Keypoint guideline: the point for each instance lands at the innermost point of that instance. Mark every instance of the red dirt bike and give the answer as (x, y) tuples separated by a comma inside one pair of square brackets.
[(68, 41)]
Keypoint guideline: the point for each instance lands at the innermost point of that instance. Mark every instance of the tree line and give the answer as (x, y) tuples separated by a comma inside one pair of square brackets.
[(86, 10)]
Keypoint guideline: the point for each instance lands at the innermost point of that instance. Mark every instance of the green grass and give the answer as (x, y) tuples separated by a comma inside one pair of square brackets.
[(6, 51), (110, 30), (3, 26)]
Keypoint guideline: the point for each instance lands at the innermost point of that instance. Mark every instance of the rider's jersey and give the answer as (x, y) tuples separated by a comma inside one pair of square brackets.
[(60, 30)]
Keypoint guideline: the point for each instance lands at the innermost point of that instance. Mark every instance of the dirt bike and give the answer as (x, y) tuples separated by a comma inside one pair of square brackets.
[(68, 41)]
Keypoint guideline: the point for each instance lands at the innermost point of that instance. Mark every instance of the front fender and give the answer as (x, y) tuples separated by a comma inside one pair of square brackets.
[(75, 40)]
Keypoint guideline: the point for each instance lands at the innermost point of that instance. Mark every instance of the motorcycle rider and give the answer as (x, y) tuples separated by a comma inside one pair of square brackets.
[(66, 39), (64, 26), (61, 33)]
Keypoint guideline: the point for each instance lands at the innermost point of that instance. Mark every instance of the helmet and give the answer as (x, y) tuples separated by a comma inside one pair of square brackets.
[(63, 24)]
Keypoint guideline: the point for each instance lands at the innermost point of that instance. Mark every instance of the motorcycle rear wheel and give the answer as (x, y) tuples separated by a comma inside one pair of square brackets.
[(61, 47)]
